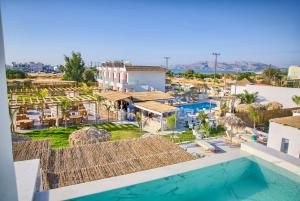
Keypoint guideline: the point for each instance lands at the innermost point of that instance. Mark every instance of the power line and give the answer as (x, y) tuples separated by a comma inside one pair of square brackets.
[(167, 61), (216, 62)]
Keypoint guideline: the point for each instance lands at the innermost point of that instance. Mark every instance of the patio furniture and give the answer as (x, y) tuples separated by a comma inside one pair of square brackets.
[(82, 112), (205, 145), (75, 119), (25, 124), (21, 117)]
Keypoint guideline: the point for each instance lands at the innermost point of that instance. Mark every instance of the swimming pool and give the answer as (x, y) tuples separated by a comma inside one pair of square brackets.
[(246, 178), (198, 106)]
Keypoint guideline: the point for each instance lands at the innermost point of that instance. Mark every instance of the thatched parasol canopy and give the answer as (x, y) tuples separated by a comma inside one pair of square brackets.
[(89, 135), (233, 121), (258, 106), (246, 107), (274, 106)]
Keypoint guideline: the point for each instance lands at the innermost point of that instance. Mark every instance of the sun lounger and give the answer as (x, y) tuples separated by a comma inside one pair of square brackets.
[(205, 145), (234, 140), (247, 138)]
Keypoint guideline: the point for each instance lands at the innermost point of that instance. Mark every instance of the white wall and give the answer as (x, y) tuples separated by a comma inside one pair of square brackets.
[(8, 186), (155, 79), (279, 131), (282, 95)]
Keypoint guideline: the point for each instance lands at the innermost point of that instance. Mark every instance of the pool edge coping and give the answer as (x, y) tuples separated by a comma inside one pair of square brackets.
[(98, 186)]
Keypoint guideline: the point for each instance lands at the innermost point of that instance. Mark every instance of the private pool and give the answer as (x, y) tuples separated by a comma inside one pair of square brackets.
[(246, 178), (198, 106)]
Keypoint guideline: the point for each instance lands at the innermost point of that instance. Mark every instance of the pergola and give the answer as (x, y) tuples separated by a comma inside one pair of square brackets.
[(51, 101), (51, 90), (156, 108)]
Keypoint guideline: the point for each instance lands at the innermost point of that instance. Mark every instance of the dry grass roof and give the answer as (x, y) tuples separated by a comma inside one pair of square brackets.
[(153, 106), (292, 121), (145, 68), (150, 96), (243, 82), (296, 111), (28, 150), (86, 163), (114, 96)]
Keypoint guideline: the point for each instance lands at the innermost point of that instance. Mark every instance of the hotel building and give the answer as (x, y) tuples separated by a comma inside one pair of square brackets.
[(124, 77)]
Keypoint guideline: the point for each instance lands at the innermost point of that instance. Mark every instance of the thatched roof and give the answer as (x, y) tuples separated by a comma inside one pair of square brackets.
[(86, 163), (114, 95), (27, 150), (243, 82), (292, 121), (296, 111), (150, 96), (155, 107), (88, 135), (246, 107), (234, 121)]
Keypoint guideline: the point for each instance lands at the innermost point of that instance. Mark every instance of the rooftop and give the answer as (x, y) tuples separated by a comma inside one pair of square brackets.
[(150, 96), (86, 163), (155, 107), (292, 121), (114, 96), (145, 68)]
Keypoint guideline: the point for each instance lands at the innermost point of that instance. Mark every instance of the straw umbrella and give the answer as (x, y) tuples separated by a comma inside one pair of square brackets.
[(257, 106), (234, 122), (89, 135), (274, 106)]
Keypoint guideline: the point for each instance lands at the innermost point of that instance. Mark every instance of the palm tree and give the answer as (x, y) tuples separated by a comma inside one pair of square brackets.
[(223, 108), (247, 97), (12, 113), (138, 118), (296, 100), (254, 116), (98, 102), (202, 117), (43, 93), (65, 105)]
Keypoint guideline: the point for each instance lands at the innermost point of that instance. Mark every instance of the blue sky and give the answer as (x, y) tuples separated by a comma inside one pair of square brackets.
[(145, 31)]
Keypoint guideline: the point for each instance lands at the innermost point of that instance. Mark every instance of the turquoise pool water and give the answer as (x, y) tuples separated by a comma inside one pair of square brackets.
[(198, 106), (249, 179)]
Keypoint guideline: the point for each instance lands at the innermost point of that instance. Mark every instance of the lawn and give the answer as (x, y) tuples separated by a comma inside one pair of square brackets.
[(182, 137), (188, 135), (59, 136)]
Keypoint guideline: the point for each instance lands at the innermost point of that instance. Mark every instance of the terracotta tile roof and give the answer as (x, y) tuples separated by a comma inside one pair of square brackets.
[(292, 121), (145, 68)]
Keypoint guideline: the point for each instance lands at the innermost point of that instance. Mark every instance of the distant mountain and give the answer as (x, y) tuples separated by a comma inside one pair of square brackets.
[(223, 67)]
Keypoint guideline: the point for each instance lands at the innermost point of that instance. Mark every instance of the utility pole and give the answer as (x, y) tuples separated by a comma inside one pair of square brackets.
[(167, 61), (216, 62)]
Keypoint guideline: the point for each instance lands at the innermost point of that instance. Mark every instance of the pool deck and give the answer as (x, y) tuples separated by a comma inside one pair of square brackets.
[(273, 156), (98, 186)]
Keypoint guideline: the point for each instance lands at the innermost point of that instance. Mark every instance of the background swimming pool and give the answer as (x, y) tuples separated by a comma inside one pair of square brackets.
[(240, 179), (198, 106)]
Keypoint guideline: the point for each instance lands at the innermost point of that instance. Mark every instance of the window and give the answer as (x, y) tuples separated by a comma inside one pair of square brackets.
[(284, 145)]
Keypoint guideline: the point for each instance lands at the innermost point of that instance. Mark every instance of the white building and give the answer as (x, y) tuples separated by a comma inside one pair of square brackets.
[(284, 135), (294, 73), (122, 76), (267, 94)]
